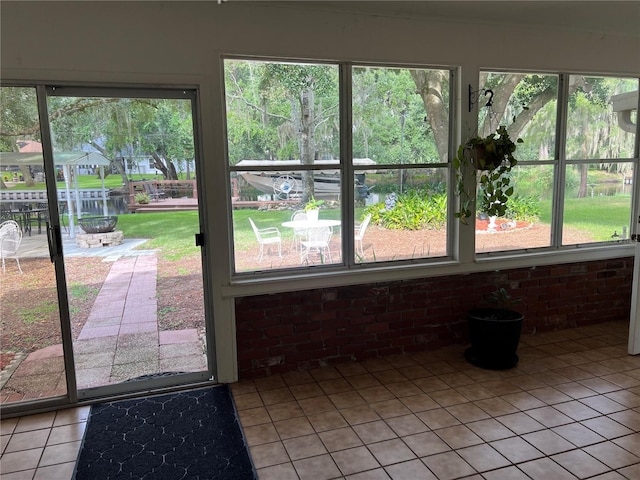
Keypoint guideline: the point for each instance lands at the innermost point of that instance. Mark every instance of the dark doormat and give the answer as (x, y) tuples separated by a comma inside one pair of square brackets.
[(192, 435)]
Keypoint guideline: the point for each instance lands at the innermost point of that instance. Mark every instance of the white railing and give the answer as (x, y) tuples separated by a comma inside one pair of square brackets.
[(41, 195)]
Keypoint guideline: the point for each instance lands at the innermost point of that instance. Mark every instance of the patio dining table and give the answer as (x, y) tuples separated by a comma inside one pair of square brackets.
[(304, 228), (308, 224), (25, 217)]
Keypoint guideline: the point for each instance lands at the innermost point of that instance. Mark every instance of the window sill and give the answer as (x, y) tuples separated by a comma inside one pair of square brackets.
[(286, 281)]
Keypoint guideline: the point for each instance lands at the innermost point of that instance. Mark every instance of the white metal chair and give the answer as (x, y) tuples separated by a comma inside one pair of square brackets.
[(10, 239), (298, 233), (359, 235), (317, 240), (267, 236)]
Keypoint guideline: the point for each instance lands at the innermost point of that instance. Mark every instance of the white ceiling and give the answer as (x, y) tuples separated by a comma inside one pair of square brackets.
[(595, 16)]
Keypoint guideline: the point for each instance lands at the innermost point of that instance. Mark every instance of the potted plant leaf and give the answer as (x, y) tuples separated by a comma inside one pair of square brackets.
[(494, 332), (312, 207), (493, 157)]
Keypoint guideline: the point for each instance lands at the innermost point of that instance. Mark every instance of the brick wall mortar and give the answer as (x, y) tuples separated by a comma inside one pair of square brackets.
[(307, 329)]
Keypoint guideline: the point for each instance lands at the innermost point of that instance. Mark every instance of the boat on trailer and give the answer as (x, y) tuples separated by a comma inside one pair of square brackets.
[(283, 182)]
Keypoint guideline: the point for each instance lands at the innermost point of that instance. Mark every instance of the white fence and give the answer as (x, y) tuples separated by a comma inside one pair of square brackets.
[(41, 195)]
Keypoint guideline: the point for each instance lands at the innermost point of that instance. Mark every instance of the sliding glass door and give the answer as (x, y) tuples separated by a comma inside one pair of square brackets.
[(31, 299), (122, 215)]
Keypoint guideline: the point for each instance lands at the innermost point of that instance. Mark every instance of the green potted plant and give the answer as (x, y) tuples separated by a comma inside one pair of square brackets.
[(493, 157), (312, 208), (142, 198), (494, 332)]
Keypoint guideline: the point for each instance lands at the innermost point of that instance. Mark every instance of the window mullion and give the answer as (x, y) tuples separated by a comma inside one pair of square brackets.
[(557, 210), (346, 155), (465, 233)]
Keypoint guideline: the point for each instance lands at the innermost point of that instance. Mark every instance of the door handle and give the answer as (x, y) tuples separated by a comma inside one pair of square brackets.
[(50, 242), (55, 241)]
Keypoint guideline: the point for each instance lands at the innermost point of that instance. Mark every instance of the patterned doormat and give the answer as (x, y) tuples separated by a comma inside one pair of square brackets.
[(191, 435)]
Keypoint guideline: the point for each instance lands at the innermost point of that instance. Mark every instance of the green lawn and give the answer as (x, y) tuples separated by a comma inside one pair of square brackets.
[(171, 232), (600, 216), (90, 181)]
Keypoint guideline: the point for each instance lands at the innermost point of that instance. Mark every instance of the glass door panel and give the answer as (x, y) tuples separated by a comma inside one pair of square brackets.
[(126, 168), (31, 352)]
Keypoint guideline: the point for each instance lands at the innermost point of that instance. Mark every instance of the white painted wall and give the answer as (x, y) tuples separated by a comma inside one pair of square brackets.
[(180, 43), (182, 38)]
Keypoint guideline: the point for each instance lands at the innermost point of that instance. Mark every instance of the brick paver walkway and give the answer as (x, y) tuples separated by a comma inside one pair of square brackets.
[(119, 342)]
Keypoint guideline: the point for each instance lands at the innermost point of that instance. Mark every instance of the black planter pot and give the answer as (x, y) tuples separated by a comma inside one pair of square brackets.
[(494, 334)]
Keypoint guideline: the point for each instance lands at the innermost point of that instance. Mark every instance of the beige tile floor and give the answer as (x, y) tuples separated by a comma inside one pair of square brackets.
[(44, 446), (571, 409)]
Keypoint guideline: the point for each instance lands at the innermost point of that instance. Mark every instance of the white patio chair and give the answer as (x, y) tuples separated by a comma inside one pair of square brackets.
[(359, 235), (10, 238), (317, 240), (298, 233), (267, 236)]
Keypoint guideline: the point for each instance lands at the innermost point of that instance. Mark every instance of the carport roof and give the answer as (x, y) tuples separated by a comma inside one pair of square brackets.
[(60, 158)]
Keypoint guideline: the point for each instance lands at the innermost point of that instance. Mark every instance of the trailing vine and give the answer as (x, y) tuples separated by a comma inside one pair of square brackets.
[(493, 157)]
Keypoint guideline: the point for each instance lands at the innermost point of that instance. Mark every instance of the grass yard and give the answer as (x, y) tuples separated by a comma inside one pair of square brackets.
[(173, 233), (600, 216), (91, 182)]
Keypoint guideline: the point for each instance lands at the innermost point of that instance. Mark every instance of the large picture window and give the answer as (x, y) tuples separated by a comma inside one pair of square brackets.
[(599, 162), (284, 123), (401, 121), (339, 165), (584, 149)]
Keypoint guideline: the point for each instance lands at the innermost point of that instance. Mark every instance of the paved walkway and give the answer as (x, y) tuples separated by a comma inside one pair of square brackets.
[(119, 342), (36, 246)]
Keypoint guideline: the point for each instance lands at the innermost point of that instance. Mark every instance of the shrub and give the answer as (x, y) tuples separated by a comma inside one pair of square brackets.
[(413, 210), (521, 207), (142, 198)]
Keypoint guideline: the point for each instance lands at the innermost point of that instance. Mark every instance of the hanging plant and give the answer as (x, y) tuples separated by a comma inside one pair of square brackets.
[(493, 157)]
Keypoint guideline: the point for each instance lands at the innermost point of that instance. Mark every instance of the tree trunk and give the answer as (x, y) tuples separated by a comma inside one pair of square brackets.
[(501, 95), (524, 117), (26, 174), (306, 133), (119, 164), (583, 190), (168, 169), (429, 87), (172, 170)]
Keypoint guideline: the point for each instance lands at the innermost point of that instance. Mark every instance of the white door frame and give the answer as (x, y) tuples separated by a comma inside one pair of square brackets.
[(634, 316), (634, 320)]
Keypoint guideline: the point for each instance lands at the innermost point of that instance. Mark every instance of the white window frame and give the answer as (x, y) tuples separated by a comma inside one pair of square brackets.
[(463, 259), (348, 170), (560, 163)]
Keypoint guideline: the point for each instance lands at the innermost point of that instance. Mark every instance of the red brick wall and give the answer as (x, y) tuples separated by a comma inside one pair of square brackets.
[(306, 329)]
